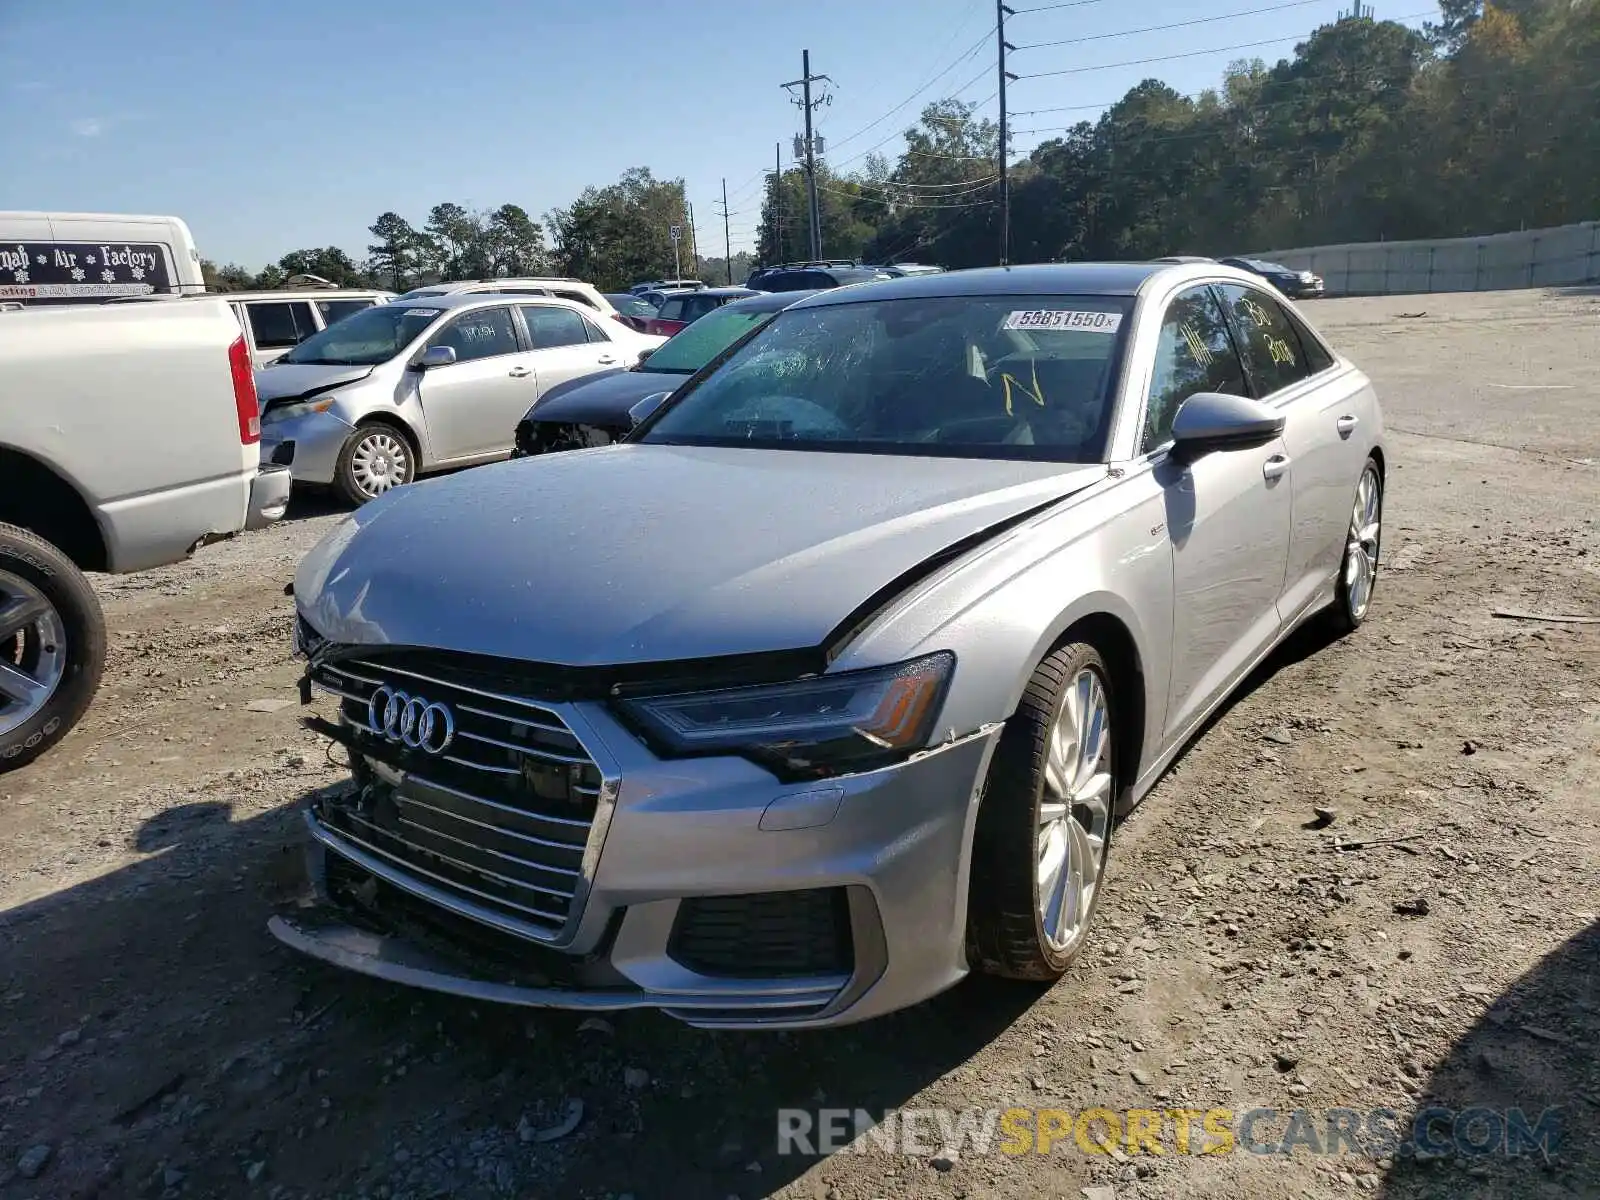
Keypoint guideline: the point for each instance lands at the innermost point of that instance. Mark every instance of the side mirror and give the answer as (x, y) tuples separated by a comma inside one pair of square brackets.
[(646, 353), (1209, 421), (437, 356), (645, 407)]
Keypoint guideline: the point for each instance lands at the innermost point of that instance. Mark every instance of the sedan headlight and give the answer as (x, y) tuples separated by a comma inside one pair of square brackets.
[(296, 408), (809, 728)]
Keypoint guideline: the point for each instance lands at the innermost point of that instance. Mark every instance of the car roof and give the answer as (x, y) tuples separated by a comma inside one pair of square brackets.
[(470, 299), (760, 302), (1086, 279), (731, 290)]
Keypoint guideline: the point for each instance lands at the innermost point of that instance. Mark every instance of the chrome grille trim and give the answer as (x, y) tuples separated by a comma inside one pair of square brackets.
[(546, 879)]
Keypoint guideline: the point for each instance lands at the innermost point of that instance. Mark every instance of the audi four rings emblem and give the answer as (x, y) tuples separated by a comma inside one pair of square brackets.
[(410, 720)]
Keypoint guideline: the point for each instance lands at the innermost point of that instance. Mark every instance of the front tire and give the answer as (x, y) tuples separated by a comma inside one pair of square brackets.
[(52, 646), (1358, 569), (1044, 825), (374, 459)]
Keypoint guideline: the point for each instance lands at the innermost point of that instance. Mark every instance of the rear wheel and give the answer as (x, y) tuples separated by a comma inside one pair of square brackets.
[(1358, 570), (1044, 827), (52, 646), (374, 459)]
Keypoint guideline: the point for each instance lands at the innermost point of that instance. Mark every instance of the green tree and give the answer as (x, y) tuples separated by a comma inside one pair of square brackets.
[(616, 235), (230, 277), (455, 243), (330, 263), (393, 257), (515, 242)]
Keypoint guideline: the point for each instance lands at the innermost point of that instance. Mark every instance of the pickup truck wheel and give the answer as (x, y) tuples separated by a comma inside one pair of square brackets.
[(1044, 824), (374, 459), (52, 646)]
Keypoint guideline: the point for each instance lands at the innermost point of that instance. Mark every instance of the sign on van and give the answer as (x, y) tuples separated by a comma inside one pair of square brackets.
[(81, 270)]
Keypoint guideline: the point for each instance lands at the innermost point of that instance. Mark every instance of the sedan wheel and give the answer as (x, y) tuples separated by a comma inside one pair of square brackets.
[(1044, 825), (1358, 571), (374, 459), (1074, 812)]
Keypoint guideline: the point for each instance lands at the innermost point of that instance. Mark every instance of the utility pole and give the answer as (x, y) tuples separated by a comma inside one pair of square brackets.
[(777, 198), (1001, 12), (810, 148), (727, 242), (694, 241)]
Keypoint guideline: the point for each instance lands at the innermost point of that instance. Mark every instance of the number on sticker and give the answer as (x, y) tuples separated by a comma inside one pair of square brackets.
[(1057, 318)]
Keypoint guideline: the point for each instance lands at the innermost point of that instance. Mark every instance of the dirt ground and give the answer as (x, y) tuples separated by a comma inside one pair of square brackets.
[(156, 1042)]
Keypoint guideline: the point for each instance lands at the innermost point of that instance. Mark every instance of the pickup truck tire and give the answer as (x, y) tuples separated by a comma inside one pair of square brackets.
[(1044, 823), (55, 616), (375, 457)]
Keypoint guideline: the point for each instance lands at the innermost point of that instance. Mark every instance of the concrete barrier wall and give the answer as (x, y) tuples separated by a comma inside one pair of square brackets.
[(1564, 254)]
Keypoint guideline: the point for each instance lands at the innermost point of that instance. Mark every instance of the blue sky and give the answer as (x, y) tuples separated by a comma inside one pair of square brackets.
[(270, 127)]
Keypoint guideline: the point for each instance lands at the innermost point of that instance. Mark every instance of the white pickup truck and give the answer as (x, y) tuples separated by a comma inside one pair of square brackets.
[(129, 437)]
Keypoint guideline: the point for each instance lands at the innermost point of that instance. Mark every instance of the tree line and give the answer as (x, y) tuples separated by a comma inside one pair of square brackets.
[(1486, 121)]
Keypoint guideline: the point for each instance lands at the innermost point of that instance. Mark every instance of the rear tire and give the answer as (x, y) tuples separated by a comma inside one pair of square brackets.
[(1048, 802), (52, 646), (1358, 568), (374, 458)]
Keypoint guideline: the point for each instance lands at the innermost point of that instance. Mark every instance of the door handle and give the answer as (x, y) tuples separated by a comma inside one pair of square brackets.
[(1345, 424), (607, 359), (519, 372), (1275, 466)]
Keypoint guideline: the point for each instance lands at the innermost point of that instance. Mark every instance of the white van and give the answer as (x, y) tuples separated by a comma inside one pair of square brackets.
[(73, 258)]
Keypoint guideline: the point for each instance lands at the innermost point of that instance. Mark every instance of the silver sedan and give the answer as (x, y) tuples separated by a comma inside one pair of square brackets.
[(828, 685)]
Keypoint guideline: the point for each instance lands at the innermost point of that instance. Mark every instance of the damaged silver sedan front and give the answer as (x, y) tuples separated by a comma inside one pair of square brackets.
[(827, 685)]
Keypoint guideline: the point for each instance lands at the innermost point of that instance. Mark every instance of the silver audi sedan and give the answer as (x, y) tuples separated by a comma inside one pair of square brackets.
[(828, 684)]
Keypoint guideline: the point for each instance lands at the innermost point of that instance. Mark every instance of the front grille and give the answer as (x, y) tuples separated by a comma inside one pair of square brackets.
[(766, 935), (500, 820)]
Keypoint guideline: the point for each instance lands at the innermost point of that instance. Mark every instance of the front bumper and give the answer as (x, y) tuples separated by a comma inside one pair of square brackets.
[(269, 496), (892, 845), (310, 444)]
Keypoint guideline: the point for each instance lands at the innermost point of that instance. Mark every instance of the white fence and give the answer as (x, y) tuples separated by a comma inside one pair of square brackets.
[(1564, 254)]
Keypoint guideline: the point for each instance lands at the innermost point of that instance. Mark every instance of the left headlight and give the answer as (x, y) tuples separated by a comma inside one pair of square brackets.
[(297, 408), (808, 728)]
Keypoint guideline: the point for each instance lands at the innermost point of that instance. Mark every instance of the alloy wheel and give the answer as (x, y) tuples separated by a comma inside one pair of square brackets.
[(33, 651), (1361, 548), (381, 460), (1074, 811)]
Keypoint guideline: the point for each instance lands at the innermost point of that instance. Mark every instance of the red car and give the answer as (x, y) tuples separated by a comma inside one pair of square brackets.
[(684, 308)]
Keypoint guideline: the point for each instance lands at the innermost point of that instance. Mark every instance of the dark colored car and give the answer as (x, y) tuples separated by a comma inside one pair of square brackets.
[(594, 410), (1297, 285), (685, 308), (632, 310), (812, 278)]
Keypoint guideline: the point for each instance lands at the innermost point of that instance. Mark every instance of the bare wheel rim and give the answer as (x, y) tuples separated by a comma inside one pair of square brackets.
[(33, 651), (1074, 811), (1361, 548), (381, 460)]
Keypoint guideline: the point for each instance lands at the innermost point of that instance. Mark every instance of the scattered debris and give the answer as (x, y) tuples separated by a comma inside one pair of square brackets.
[(1412, 316), (1417, 906), (945, 1160), (1366, 842), (571, 1118), (33, 1160), (1322, 817), (267, 706), (1513, 614), (1469, 747), (1284, 1062), (1278, 737)]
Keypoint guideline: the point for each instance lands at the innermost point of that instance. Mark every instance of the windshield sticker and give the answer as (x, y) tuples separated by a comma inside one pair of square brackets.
[(1055, 318), (423, 312)]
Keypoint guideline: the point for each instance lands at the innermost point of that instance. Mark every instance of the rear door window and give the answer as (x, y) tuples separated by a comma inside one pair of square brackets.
[(279, 324), (1271, 348), (550, 327), (596, 334), (672, 309)]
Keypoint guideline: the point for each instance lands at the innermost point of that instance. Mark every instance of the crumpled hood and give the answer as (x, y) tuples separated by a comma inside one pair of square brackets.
[(646, 553), (602, 399), (280, 380)]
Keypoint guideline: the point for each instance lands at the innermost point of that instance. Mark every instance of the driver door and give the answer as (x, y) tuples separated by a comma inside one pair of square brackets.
[(471, 406), (1227, 516)]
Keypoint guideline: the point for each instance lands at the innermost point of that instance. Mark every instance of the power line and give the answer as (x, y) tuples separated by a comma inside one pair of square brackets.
[(1052, 7), (1139, 62), (1100, 37), (965, 55)]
